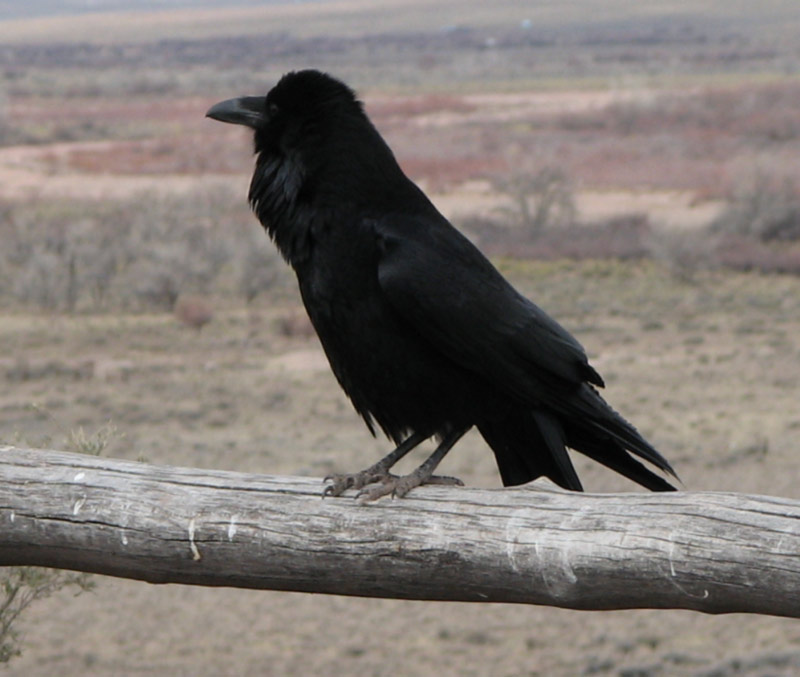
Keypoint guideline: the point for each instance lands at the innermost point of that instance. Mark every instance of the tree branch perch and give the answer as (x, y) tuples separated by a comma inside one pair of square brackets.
[(711, 552)]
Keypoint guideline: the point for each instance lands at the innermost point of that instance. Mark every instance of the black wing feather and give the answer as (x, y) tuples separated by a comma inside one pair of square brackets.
[(442, 284)]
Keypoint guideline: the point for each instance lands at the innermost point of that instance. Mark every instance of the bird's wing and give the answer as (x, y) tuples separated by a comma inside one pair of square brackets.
[(448, 291)]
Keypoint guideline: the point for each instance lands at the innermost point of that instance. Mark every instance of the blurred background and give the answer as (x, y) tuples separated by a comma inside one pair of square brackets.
[(631, 167)]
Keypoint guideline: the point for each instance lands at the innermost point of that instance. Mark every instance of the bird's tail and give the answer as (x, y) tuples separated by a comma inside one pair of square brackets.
[(529, 444), (608, 438), (608, 451)]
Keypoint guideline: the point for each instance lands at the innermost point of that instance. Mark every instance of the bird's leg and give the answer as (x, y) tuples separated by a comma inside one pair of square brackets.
[(400, 486), (379, 472)]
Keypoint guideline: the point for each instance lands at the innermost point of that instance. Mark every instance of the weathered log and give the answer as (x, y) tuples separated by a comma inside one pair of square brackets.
[(711, 552)]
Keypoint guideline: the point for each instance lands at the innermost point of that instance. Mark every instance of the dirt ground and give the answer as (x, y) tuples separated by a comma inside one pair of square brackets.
[(707, 371)]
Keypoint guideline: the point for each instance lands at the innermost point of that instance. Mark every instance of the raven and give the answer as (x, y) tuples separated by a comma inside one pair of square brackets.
[(423, 333)]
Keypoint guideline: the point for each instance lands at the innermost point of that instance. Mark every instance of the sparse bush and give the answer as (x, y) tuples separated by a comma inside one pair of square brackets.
[(43, 280), (624, 237), (537, 200), (258, 266), (760, 227), (295, 324), (22, 586), (684, 252), (5, 128), (762, 207), (144, 252), (746, 253), (760, 113), (94, 443), (156, 281), (176, 245), (194, 312)]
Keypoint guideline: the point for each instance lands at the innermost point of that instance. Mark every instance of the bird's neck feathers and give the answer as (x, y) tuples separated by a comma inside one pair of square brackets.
[(348, 169), (275, 198)]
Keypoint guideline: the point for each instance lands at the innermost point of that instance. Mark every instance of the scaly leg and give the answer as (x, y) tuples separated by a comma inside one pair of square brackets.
[(400, 486), (340, 482)]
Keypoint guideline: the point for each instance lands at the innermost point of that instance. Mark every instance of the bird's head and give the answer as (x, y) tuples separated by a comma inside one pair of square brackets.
[(300, 113), (316, 149)]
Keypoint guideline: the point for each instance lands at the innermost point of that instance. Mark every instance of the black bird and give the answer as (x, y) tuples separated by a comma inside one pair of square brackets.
[(423, 333)]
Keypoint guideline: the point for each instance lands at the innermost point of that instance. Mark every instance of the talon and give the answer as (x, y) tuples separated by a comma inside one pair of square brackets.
[(338, 485), (368, 495), (398, 487), (342, 482)]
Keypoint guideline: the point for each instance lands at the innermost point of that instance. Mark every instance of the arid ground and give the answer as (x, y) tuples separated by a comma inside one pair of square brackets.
[(108, 168)]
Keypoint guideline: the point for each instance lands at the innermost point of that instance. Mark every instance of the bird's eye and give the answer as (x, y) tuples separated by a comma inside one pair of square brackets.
[(272, 110)]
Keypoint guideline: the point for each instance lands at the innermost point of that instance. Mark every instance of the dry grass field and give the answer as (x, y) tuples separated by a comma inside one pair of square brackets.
[(122, 213)]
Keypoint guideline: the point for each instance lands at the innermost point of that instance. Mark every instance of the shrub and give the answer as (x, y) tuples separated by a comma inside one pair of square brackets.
[(194, 312), (745, 253), (684, 252), (537, 200), (144, 252), (22, 586), (259, 265), (622, 237), (762, 207)]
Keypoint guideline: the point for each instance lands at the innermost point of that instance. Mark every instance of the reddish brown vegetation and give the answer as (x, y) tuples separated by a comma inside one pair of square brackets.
[(744, 253), (407, 107), (295, 324), (193, 311), (695, 140), (623, 237), (702, 141), (185, 154), (441, 173)]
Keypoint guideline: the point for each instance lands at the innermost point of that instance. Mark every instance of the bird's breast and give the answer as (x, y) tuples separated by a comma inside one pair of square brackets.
[(383, 363)]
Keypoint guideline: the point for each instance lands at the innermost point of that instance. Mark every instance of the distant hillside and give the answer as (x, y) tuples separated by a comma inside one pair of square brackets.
[(769, 22), (13, 9)]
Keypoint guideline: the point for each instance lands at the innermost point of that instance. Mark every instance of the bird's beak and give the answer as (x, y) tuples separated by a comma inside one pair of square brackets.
[(246, 110)]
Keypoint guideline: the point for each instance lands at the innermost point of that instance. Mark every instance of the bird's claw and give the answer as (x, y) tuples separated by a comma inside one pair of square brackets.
[(397, 487), (341, 482)]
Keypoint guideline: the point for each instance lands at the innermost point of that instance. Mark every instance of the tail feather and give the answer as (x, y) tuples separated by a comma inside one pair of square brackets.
[(589, 407), (612, 455), (524, 452), (555, 442), (530, 444)]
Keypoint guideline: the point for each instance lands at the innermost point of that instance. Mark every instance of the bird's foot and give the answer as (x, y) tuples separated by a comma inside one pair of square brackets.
[(341, 482), (398, 487)]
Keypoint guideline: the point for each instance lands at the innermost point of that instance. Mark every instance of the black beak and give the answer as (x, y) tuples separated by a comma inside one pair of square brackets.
[(246, 110)]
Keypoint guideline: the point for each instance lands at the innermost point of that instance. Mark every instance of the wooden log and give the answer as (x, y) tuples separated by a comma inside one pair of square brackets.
[(711, 552)]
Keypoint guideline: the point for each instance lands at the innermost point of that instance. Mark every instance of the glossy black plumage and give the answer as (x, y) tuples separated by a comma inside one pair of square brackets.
[(423, 333)]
